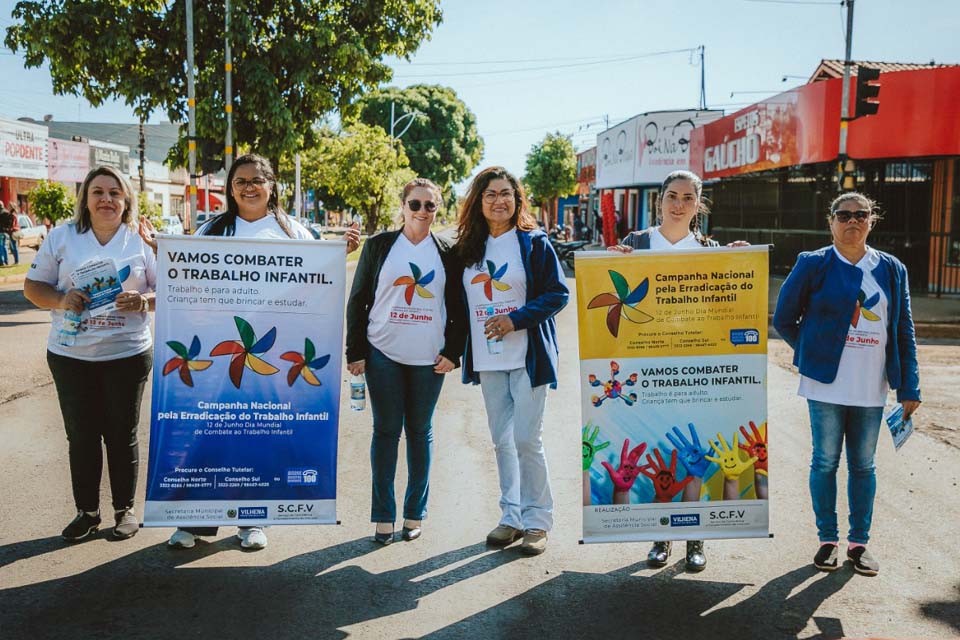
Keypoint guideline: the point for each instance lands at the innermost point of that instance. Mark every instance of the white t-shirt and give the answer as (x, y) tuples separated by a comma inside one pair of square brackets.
[(113, 335), (659, 242), (862, 375), (498, 287), (267, 228), (408, 315)]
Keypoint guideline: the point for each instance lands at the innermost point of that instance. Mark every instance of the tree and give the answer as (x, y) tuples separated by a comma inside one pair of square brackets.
[(442, 141), (150, 209), (51, 200), (364, 168), (292, 61), (551, 172)]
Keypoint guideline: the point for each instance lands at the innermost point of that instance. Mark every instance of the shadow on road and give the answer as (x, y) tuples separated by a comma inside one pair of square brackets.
[(947, 611), (162, 593), (12, 301)]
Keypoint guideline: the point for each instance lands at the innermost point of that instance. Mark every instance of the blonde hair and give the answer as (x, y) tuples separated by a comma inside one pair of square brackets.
[(81, 214)]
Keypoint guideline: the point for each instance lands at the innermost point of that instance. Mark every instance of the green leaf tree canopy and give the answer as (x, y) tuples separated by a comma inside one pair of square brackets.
[(51, 200), (551, 170), (363, 167), (442, 142), (292, 61)]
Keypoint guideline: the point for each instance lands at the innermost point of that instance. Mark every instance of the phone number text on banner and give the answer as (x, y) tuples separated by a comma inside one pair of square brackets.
[(673, 377), (246, 382)]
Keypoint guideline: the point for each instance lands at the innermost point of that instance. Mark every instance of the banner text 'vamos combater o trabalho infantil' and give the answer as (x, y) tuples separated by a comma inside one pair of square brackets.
[(246, 382), (673, 377)]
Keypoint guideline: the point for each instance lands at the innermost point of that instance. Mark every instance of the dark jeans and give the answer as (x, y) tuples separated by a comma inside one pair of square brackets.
[(402, 398), (13, 246), (100, 402)]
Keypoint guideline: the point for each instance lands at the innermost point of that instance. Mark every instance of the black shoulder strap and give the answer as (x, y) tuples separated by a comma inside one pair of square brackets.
[(223, 225), (638, 239)]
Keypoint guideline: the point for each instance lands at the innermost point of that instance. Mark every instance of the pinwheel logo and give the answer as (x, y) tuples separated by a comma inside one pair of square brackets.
[(304, 364), (863, 306), (245, 351), (186, 360), (416, 283), (623, 303), (491, 279)]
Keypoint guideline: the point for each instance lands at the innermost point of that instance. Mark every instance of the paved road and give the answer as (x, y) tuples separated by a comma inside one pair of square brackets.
[(332, 582)]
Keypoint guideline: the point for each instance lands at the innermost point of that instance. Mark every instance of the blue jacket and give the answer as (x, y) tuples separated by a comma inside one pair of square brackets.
[(547, 294), (816, 303)]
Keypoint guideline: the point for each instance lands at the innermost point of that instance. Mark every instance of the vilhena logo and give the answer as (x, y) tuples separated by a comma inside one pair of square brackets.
[(623, 303)]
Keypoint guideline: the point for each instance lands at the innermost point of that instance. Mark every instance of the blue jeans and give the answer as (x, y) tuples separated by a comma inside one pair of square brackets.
[(831, 424), (13, 247), (402, 398), (3, 248)]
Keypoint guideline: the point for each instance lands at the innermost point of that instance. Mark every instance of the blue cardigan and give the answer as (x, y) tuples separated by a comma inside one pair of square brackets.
[(814, 309), (547, 294)]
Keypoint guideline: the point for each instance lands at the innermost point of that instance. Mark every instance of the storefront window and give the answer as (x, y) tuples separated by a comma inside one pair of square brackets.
[(953, 248)]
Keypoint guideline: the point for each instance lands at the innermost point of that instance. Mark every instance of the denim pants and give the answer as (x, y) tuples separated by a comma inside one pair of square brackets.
[(515, 417), (3, 248), (100, 403), (13, 246), (831, 424), (402, 399)]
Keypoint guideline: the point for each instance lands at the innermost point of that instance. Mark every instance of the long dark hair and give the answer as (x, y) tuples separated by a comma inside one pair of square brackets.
[(81, 215), (702, 209), (226, 223), (472, 228)]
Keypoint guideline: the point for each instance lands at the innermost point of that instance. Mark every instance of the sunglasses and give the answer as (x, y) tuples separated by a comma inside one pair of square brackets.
[(844, 216), (429, 205)]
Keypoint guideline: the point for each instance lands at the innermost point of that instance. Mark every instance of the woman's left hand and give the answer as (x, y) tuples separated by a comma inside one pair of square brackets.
[(738, 243), (497, 327), (443, 365), (352, 236), (909, 406), (132, 301)]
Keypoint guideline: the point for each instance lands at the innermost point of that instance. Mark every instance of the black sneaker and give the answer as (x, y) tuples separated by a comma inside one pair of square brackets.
[(863, 562), (82, 527), (826, 558), (659, 553), (696, 558)]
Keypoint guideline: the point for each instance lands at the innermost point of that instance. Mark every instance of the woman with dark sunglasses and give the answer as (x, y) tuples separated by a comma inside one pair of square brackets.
[(845, 310), (406, 327)]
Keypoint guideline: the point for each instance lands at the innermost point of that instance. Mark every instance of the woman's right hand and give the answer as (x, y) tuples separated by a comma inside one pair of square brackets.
[(356, 368), (74, 300), (620, 248)]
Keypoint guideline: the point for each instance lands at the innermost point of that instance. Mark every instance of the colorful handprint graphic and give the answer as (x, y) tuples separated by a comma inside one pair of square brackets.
[(613, 388)]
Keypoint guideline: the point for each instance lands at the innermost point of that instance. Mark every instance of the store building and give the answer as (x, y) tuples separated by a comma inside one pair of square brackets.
[(23, 160)]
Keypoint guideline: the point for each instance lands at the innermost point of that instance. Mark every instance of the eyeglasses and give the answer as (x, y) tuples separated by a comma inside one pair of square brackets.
[(492, 196), (844, 216), (241, 184), (429, 205)]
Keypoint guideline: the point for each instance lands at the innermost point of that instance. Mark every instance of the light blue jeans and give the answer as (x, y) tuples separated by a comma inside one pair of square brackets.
[(515, 417), (831, 424)]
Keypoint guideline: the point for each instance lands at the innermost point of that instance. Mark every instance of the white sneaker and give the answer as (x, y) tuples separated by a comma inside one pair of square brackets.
[(182, 539), (252, 538)]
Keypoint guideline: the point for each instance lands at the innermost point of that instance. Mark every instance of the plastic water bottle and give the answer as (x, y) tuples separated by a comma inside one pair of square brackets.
[(69, 328), (494, 346), (358, 392)]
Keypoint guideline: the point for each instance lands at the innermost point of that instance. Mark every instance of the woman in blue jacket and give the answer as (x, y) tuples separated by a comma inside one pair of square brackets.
[(845, 310), (513, 286)]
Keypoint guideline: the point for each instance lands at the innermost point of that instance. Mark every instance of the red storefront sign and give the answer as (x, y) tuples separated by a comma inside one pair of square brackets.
[(68, 161), (917, 118)]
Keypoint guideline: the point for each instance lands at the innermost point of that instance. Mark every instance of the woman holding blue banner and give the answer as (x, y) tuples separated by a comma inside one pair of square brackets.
[(514, 286), (253, 211), (845, 310), (99, 367), (405, 330)]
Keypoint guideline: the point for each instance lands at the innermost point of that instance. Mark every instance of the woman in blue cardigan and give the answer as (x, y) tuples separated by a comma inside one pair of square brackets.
[(845, 310), (513, 286)]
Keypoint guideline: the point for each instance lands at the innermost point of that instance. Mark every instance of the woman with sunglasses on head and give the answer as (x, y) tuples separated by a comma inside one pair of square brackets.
[(253, 211), (514, 287), (679, 207), (845, 310), (405, 330)]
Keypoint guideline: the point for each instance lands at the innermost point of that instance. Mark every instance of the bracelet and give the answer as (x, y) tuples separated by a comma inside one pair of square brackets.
[(143, 303)]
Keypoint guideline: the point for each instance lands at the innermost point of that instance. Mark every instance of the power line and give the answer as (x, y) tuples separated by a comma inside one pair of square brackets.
[(820, 2)]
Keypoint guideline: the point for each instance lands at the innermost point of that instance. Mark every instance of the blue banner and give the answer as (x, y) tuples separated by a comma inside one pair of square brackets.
[(246, 382)]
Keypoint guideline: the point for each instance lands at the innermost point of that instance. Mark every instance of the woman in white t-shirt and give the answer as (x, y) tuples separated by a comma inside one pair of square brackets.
[(101, 375), (405, 330), (679, 206), (845, 310)]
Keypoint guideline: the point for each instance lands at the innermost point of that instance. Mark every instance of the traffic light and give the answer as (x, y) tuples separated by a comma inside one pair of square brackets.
[(867, 94), (211, 155)]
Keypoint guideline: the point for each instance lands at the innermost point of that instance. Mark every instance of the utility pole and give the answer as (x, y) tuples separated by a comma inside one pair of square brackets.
[(297, 197), (703, 79), (228, 91), (842, 165), (143, 149), (192, 124)]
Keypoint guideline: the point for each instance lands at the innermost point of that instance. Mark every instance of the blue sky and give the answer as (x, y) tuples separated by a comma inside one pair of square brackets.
[(589, 61)]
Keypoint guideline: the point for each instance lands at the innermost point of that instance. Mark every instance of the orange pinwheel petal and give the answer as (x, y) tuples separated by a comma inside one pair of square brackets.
[(292, 356), (483, 277), (403, 280), (603, 300), (227, 347), (172, 363)]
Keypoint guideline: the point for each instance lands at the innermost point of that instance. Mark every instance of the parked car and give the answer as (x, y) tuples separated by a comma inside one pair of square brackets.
[(31, 235), (171, 224)]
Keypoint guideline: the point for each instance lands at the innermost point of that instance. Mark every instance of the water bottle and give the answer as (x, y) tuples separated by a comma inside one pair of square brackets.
[(358, 393), (69, 328), (494, 346)]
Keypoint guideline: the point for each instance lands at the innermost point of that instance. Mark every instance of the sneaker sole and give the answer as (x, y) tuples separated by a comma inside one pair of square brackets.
[(502, 542), (695, 568), (530, 551), (865, 572), (89, 533), (826, 567), (180, 545), (124, 536)]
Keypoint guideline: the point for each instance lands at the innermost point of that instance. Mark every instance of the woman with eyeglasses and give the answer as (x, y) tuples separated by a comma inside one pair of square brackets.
[(514, 287), (405, 331), (253, 211), (845, 310)]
